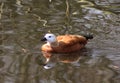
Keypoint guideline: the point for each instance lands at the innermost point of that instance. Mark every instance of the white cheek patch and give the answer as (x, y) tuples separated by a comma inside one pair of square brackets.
[(50, 38)]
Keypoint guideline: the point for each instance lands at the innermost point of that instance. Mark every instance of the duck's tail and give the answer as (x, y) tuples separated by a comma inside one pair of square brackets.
[(88, 36)]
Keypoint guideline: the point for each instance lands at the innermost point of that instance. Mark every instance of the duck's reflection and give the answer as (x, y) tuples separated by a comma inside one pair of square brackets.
[(53, 58)]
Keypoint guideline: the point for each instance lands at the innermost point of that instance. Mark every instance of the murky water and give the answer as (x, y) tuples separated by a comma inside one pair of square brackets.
[(24, 22)]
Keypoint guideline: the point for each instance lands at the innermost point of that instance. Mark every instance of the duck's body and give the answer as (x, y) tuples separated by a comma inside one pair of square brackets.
[(64, 43)]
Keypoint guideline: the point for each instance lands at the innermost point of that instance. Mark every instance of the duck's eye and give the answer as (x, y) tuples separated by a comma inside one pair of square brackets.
[(49, 36)]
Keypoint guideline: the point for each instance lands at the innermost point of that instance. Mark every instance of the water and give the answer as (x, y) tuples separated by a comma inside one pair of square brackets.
[(24, 22)]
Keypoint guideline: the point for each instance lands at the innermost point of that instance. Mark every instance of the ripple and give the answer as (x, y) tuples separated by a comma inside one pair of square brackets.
[(24, 22)]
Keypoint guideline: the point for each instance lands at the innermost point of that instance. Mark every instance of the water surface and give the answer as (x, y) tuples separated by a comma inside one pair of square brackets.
[(24, 22)]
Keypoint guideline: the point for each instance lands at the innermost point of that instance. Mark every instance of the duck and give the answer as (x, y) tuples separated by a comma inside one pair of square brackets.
[(64, 43)]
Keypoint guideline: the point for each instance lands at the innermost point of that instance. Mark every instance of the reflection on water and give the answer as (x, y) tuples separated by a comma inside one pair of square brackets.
[(23, 22), (74, 57)]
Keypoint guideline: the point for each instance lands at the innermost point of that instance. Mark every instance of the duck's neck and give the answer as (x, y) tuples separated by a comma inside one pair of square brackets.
[(54, 44)]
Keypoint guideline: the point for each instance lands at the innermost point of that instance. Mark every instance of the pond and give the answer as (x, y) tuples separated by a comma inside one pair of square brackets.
[(24, 22)]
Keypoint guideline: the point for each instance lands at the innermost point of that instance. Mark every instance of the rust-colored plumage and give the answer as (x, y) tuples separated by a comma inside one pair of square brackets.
[(64, 43)]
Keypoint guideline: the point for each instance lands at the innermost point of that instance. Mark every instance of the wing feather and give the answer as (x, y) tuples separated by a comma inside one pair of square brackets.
[(68, 40)]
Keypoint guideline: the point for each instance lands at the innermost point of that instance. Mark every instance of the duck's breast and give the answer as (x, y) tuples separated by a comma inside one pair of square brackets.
[(47, 48)]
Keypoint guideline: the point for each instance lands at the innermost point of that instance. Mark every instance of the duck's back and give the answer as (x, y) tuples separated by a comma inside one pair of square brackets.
[(68, 40)]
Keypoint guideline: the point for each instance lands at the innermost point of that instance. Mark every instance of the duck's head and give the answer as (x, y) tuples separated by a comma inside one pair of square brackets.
[(50, 38)]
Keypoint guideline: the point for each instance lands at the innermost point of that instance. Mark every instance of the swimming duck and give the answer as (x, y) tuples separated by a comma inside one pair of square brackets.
[(64, 43)]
